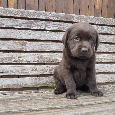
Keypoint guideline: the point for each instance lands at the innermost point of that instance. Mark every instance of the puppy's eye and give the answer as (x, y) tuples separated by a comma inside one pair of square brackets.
[(91, 39), (77, 38)]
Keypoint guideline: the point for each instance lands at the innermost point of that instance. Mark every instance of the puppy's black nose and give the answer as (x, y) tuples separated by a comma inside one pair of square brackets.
[(84, 50)]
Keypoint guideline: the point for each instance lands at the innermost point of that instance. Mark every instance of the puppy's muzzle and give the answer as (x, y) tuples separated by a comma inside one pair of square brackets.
[(84, 50)]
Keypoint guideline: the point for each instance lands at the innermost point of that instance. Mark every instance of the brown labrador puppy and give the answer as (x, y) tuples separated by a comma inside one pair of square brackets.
[(77, 68)]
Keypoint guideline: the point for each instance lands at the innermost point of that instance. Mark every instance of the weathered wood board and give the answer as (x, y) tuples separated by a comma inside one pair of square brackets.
[(43, 25), (45, 102), (44, 46), (44, 69), (54, 16), (46, 81), (45, 58), (43, 35)]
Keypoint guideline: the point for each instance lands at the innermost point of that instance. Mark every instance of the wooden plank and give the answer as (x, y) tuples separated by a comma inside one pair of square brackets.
[(91, 8), (25, 46), (26, 82), (104, 78), (98, 7), (44, 69), (11, 3), (35, 2), (55, 16), (30, 24), (3, 3), (26, 69), (68, 6), (32, 5), (50, 5), (44, 102), (32, 35), (84, 7), (31, 58), (44, 46), (57, 26), (29, 4), (45, 81), (106, 48), (105, 58), (76, 7), (109, 8), (43, 35), (16, 4), (59, 6), (42, 5), (41, 58), (104, 8), (112, 9), (21, 4), (107, 38)]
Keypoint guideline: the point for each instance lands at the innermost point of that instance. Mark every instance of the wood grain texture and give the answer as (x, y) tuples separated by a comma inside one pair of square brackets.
[(57, 26), (29, 4), (41, 58), (44, 46), (44, 102), (42, 5), (76, 9), (44, 69), (43, 35), (45, 58), (30, 46), (26, 82), (108, 8), (21, 4), (68, 6), (56, 16), (45, 81), (91, 8), (32, 5), (5, 3), (1, 3), (16, 4), (104, 8), (98, 8), (112, 9), (50, 5), (31, 35), (59, 6), (11, 3), (84, 7)]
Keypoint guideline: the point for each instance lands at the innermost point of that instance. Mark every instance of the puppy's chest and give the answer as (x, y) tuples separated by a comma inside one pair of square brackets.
[(79, 76), (79, 71), (79, 65)]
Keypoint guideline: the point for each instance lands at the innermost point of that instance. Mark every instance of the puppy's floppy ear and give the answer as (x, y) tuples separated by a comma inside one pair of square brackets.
[(97, 41), (65, 37)]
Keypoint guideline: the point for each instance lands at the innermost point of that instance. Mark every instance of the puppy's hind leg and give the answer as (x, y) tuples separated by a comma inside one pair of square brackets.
[(60, 87)]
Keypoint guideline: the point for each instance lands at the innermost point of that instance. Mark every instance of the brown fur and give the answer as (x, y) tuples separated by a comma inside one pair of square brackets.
[(77, 68)]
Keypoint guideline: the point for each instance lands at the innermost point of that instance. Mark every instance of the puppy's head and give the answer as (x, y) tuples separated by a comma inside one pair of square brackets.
[(81, 39)]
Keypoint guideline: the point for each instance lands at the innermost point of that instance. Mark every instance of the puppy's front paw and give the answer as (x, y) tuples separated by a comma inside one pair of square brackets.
[(97, 93), (71, 95)]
